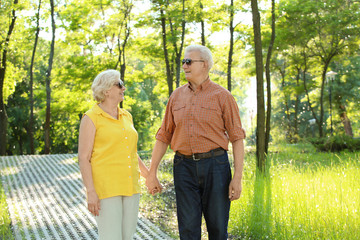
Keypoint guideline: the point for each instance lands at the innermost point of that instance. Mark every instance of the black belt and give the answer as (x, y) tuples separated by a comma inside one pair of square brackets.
[(197, 156)]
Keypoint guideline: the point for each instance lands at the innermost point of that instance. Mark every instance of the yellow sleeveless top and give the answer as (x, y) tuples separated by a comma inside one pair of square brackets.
[(114, 160)]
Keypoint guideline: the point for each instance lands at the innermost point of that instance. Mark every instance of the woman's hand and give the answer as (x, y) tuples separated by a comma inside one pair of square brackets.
[(93, 203), (153, 184)]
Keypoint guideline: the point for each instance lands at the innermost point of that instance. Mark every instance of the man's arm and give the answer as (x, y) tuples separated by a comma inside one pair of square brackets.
[(235, 186), (152, 181)]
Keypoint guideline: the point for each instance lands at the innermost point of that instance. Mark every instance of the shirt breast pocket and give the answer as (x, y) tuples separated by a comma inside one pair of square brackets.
[(179, 113), (210, 112)]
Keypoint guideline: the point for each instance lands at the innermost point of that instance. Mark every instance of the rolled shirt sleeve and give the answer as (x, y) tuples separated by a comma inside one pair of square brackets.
[(232, 121), (166, 131)]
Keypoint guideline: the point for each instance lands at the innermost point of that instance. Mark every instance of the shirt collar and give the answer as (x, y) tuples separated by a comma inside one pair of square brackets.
[(98, 110), (202, 86)]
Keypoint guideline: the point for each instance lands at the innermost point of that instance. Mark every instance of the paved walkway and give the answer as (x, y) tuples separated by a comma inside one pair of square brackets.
[(46, 199)]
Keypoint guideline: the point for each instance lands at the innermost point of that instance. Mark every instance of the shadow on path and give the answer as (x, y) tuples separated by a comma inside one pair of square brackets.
[(46, 199)]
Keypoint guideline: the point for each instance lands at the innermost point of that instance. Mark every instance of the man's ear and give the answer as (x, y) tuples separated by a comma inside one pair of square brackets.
[(206, 65)]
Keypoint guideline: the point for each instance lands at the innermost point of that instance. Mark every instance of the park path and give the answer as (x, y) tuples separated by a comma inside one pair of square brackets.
[(46, 199)]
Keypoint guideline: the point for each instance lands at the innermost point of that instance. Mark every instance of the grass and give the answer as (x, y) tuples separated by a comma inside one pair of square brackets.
[(5, 229), (306, 195), (161, 208)]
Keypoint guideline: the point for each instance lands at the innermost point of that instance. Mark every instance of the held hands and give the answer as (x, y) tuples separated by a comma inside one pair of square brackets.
[(93, 202), (153, 184)]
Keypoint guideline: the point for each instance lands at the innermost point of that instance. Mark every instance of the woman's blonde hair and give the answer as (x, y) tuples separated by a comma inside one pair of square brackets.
[(103, 82)]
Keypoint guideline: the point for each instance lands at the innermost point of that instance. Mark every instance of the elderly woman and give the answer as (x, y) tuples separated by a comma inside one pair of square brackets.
[(108, 160)]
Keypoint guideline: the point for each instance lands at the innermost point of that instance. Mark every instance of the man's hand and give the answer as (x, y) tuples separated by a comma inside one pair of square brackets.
[(235, 189), (153, 184), (235, 186)]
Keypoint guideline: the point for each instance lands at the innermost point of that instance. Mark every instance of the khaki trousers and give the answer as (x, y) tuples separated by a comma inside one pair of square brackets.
[(118, 217)]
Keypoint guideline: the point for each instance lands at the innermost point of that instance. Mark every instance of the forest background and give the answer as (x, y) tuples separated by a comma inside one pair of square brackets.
[(52, 50)]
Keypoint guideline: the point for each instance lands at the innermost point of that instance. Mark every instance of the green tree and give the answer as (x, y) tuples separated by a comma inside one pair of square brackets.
[(48, 81), (31, 97), (345, 88), (9, 10), (268, 79), (173, 34), (324, 29), (260, 120)]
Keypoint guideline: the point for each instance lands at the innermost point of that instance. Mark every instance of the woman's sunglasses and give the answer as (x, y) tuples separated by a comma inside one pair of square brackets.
[(188, 61), (120, 84)]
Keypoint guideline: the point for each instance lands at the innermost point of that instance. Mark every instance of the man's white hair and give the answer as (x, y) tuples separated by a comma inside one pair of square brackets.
[(205, 53)]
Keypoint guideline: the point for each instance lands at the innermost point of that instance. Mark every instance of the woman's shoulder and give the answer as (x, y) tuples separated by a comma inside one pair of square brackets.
[(125, 113), (92, 112)]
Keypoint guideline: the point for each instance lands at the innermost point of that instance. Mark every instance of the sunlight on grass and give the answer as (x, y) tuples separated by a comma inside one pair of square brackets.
[(161, 208), (5, 230), (305, 196)]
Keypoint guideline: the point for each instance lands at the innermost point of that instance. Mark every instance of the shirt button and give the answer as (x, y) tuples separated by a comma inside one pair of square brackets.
[(193, 104), (125, 137), (123, 128), (128, 156), (127, 146), (129, 166)]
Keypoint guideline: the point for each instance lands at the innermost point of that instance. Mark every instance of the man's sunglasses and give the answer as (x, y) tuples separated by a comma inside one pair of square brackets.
[(120, 84), (188, 61)]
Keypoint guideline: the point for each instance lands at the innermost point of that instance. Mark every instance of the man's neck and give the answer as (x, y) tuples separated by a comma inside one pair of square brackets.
[(195, 85)]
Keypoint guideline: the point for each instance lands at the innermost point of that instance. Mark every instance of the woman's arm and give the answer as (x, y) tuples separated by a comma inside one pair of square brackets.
[(144, 171), (86, 143)]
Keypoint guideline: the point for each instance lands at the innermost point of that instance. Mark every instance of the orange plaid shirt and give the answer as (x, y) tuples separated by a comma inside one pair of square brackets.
[(202, 120)]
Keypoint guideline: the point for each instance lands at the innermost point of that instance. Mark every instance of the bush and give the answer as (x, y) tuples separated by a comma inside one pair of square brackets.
[(336, 143)]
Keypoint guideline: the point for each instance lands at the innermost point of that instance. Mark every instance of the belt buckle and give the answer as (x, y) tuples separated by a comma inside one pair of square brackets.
[(195, 159)]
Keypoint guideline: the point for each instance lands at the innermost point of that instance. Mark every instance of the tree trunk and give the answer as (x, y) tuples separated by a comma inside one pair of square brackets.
[(3, 115), (231, 47), (124, 27), (345, 120), (122, 46), (297, 103), (202, 25), (178, 53), (268, 80), (287, 112), (31, 118), (347, 124), (307, 92), (169, 74), (321, 131), (323, 76), (260, 129), (122, 54), (48, 81)]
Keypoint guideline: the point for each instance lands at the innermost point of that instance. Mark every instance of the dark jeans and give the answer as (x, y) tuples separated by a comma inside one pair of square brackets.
[(202, 188)]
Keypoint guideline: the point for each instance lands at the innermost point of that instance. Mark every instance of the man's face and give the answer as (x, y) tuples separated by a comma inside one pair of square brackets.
[(196, 69)]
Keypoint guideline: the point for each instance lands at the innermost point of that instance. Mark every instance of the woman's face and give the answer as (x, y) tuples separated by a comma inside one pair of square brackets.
[(116, 92)]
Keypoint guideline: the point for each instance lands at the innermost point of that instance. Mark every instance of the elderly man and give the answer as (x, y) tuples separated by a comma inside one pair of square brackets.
[(201, 118)]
